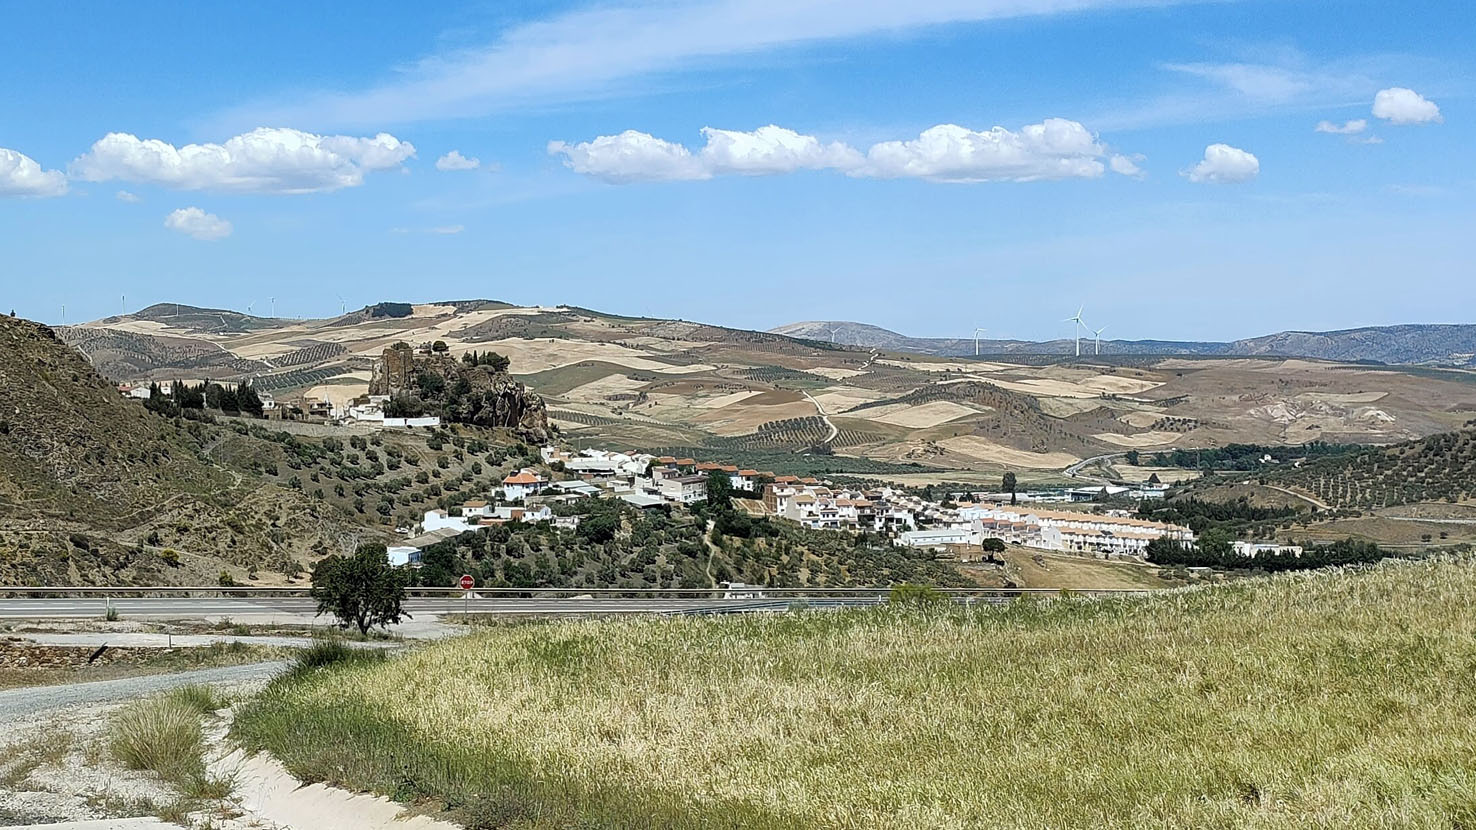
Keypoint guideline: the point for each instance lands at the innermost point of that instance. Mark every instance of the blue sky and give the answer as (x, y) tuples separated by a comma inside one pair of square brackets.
[(932, 166)]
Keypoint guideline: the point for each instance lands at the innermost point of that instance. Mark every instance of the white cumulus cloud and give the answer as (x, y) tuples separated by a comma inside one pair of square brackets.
[(631, 156), (1398, 105), (772, 149), (1224, 164), (1126, 165), (125, 196), (454, 160), (265, 160), (1054, 149), (21, 175), (197, 223), (1353, 127), (1057, 148)]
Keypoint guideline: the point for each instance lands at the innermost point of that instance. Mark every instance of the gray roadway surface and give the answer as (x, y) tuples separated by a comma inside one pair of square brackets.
[(21, 703), (256, 607)]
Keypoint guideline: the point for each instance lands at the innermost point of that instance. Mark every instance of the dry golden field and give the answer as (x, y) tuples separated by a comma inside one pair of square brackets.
[(1331, 699)]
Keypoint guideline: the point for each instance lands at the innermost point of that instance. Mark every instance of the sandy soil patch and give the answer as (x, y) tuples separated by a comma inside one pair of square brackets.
[(926, 415), (745, 417), (983, 449), (1066, 407), (837, 399), (530, 356), (1139, 475), (598, 390), (1345, 397), (1048, 387), (834, 373), (149, 327), (720, 401), (1141, 420), (1117, 385), (338, 394), (1142, 439)]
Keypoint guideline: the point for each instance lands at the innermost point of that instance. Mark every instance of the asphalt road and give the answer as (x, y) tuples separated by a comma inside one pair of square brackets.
[(20, 703), (191, 607)]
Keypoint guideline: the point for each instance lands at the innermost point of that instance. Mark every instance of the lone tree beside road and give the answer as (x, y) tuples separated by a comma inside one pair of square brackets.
[(361, 590)]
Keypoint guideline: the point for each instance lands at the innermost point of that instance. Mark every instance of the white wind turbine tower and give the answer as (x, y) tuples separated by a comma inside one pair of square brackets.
[(835, 331), (1098, 333), (977, 332), (1079, 324), (342, 305)]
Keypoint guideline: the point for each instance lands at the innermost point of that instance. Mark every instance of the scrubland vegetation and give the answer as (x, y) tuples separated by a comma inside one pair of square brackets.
[(1332, 699)]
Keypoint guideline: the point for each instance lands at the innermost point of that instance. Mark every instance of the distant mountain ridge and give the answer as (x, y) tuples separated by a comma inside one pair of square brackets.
[(1410, 344)]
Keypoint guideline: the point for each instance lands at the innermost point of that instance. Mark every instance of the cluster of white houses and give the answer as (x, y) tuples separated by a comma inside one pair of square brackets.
[(909, 520), (916, 522)]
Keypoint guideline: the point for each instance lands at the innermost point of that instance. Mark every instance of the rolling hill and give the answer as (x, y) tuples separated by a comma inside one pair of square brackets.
[(796, 402), (1433, 345)]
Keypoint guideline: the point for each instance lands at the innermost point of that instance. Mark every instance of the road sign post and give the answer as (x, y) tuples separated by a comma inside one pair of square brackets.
[(467, 583)]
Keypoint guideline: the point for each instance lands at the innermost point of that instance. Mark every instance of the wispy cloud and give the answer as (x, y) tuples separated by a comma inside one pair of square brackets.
[(1262, 81), (589, 52)]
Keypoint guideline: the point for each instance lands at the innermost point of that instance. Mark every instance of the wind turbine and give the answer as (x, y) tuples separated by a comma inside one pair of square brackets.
[(342, 306), (1078, 327), (1098, 333), (250, 306), (977, 332), (835, 331), (274, 308)]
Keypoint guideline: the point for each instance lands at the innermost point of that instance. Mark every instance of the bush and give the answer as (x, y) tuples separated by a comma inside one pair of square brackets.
[(909, 594), (333, 652)]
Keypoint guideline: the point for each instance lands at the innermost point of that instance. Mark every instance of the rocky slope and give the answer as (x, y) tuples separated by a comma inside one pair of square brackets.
[(459, 392), (93, 487)]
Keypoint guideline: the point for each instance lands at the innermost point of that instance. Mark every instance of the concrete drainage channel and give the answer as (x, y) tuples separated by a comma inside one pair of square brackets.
[(270, 796)]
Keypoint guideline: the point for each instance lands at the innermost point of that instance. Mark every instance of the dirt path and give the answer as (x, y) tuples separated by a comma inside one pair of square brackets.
[(21, 704), (824, 417), (1315, 502)]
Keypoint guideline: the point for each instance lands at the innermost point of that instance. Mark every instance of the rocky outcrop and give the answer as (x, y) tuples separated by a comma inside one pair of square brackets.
[(459, 392)]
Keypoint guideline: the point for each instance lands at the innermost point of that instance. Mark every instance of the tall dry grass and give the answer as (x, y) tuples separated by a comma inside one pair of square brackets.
[(1307, 700), (164, 734)]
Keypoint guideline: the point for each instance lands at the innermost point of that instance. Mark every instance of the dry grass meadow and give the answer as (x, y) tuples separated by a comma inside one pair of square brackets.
[(1334, 700)]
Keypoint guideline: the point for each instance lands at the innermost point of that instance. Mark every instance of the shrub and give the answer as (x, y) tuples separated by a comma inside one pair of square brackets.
[(909, 594)]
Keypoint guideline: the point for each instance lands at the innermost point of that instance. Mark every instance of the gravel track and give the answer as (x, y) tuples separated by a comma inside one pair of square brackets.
[(25, 703)]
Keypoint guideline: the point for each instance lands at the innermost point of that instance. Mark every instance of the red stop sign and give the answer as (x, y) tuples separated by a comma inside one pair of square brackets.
[(466, 582)]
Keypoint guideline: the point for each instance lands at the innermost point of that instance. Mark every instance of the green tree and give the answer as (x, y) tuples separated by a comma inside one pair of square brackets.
[(248, 401), (1010, 483), (599, 528), (719, 491), (361, 590)]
